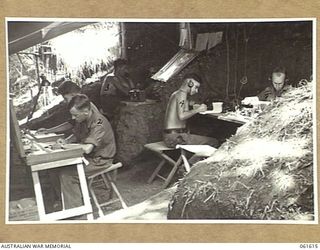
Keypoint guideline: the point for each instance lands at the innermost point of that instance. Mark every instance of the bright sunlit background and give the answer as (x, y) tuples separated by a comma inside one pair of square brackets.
[(90, 44)]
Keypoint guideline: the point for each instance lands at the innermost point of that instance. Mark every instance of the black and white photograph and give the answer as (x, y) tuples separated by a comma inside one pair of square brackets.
[(161, 121)]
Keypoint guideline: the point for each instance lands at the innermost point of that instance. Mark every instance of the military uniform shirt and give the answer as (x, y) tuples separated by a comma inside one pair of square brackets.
[(97, 131)]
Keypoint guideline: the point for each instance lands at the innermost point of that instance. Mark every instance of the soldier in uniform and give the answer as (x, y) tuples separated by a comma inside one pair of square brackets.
[(115, 89), (94, 133), (278, 87)]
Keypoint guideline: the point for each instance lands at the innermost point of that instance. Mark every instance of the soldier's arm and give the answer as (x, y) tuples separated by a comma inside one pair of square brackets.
[(123, 86), (61, 128), (182, 108), (105, 85), (87, 148), (263, 96), (95, 137)]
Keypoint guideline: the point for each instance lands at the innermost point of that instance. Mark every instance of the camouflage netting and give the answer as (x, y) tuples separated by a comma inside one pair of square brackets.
[(265, 171)]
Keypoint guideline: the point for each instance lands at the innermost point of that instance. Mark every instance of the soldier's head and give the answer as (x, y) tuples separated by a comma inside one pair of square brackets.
[(192, 83), (80, 108), (121, 67), (278, 78), (68, 89)]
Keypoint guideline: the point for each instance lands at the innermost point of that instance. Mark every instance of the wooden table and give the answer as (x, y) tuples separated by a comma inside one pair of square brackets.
[(228, 116), (42, 158)]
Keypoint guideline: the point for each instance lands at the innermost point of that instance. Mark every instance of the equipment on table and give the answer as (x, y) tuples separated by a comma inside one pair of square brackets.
[(137, 95)]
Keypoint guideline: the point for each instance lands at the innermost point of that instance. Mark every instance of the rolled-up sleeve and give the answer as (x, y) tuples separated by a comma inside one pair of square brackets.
[(96, 135)]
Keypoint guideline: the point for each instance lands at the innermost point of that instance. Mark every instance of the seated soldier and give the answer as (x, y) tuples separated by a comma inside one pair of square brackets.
[(279, 86), (94, 133), (177, 114), (115, 89), (68, 90)]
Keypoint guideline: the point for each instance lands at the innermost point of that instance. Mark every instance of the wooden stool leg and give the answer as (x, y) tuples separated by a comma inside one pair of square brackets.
[(185, 160), (115, 189), (114, 174), (62, 201), (95, 200), (107, 186), (156, 171), (172, 172)]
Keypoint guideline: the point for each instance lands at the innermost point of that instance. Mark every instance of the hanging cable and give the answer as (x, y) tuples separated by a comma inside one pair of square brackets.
[(246, 39)]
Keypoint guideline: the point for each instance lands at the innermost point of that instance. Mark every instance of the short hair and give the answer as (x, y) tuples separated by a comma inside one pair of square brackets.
[(192, 76), (68, 87), (120, 62), (80, 102), (279, 69)]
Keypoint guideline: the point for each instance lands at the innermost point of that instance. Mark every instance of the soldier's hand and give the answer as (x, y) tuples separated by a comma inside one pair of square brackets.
[(61, 142), (192, 103), (267, 92), (202, 108), (196, 106)]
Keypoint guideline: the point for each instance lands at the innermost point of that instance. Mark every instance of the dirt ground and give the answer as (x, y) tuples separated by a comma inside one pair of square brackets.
[(132, 183)]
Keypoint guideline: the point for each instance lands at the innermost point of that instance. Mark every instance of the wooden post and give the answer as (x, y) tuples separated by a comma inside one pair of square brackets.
[(123, 41), (16, 132)]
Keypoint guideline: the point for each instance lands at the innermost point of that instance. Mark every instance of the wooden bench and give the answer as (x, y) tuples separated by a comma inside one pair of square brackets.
[(197, 150), (160, 149)]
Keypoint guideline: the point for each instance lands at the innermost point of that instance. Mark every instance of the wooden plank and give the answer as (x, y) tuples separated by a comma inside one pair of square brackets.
[(156, 171), (16, 131), (102, 170), (56, 164), (115, 189), (83, 185), (199, 150), (85, 209), (172, 172), (44, 157), (39, 195)]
